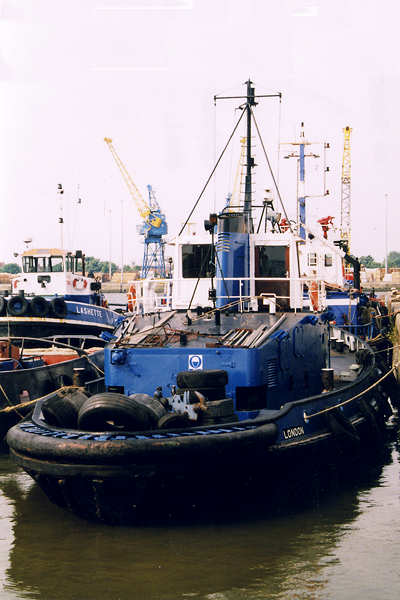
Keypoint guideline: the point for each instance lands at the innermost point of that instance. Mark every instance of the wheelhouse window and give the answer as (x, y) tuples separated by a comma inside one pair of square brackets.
[(73, 264), (69, 264), (272, 261), (196, 260), (78, 265), (328, 260), (42, 264), (312, 259), (56, 264), (29, 264)]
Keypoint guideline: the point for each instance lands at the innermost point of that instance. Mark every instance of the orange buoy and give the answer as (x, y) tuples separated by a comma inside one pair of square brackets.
[(131, 298), (313, 293)]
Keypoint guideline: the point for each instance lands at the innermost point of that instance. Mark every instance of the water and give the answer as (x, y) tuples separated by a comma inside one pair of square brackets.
[(342, 545)]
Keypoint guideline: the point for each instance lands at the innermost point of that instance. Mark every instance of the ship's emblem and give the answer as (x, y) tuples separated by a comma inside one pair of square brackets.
[(195, 362)]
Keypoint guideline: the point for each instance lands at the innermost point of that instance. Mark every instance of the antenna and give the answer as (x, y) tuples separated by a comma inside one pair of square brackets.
[(60, 191)]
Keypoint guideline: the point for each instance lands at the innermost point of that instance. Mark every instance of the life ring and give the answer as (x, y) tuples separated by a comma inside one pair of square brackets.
[(79, 284), (313, 293), (131, 298)]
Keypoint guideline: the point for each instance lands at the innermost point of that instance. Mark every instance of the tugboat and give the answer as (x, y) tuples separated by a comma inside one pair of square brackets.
[(53, 295), (31, 369), (203, 405)]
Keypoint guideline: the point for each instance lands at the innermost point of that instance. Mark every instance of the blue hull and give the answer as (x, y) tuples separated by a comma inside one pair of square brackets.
[(80, 318)]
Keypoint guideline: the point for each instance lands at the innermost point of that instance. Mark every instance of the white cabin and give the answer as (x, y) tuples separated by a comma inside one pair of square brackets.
[(51, 272)]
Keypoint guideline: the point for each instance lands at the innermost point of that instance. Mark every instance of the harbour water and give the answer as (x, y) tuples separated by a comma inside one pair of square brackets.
[(341, 543), (333, 538)]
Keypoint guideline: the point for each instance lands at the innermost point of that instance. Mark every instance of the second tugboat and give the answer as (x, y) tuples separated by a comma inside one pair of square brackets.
[(53, 295)]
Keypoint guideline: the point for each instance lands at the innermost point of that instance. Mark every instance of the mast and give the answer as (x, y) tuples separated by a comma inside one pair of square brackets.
[(247, 208), (302, 191), (301, 155)]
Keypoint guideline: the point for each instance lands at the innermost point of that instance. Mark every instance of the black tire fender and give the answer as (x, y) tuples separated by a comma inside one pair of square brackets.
[(340, 426), (39, 306), (202, 378), (58, 411), (220, 408), (152, 403), (173, 421), (210, 393), (110, 411), (18, 306), (75, 398), (59, 307), (3, 305)]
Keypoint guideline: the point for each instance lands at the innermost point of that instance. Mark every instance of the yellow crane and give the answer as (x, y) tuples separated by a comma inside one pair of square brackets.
[(149, 218), (154, 225), (345, 204)]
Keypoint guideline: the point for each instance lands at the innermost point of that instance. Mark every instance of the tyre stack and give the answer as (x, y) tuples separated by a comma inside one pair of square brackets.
[(217, 408), (110, 411), (62, 408)]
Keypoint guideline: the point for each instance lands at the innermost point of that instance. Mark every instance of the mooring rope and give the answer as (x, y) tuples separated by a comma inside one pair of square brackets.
[(9, 402), (93, 364), (330, 408), (30, 402)]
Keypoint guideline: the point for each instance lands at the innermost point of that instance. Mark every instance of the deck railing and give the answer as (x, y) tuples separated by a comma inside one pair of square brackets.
[(164, 294)]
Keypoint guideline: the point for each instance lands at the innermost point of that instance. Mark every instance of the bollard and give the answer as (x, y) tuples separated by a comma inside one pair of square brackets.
[(77, 378), (327, 379), (339, 346)]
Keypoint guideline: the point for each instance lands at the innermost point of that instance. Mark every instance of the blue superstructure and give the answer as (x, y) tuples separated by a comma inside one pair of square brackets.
[(233, 258), (284, 368)]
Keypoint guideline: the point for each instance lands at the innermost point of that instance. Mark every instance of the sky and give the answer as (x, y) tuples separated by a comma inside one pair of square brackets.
[(145, 73)]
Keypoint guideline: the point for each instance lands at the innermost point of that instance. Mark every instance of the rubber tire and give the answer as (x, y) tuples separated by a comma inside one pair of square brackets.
[(3, 305), (76, 398), (56, 411), (125, 414), (152, 403), (220, 408), (363, 357), (340, 426), (211, 393), (173, 421), (59, 308), (201, 379), (18, 306), (39, 306)]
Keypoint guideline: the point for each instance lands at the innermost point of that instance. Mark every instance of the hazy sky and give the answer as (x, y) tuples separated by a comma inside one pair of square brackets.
[(144, 72)]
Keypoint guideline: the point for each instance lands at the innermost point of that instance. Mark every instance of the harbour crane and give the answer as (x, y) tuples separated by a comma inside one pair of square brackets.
[(154, 225), (345, 204)]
